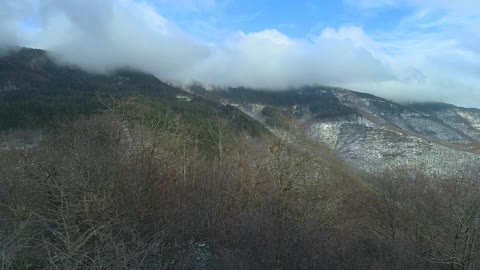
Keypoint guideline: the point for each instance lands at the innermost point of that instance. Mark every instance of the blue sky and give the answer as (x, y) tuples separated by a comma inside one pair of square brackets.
[(297, 19), (405, 50)]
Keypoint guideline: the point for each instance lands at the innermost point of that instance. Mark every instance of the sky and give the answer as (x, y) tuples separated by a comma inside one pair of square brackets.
[(410, 50)]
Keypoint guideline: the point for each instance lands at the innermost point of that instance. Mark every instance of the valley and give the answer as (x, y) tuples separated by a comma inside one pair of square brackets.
[(125, 171)]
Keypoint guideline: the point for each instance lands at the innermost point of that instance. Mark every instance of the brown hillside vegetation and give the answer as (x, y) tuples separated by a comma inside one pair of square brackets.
[(116, 192)]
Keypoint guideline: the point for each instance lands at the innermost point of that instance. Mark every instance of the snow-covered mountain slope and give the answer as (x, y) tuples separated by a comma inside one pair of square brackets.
[(465, 120), (377, 150), (420, 122), (371, 133)]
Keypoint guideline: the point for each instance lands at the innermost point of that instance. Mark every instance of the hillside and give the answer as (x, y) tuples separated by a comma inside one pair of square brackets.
[(370, 133), (124, 171), (35, 92)]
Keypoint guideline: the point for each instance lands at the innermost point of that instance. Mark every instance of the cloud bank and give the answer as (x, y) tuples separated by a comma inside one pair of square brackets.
[(430, 57)]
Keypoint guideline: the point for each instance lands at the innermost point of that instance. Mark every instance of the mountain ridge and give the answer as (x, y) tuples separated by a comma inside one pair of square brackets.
[(370, 133)]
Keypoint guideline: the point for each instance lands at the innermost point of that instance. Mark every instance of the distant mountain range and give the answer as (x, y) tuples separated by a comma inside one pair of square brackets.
[(370, 133)]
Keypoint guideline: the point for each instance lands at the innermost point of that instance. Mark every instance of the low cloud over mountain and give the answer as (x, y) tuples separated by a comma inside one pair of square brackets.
[(429, 55)]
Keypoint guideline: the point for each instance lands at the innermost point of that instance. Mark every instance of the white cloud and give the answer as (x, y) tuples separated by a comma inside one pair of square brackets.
[(434, 52), (122, 33), (465, 6), (192, 5), (353, 34), (272, 60), (438, 61)]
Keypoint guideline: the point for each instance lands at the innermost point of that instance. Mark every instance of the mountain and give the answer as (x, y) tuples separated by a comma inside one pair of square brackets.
[(370, 133), (124, 171), (40, 96), (36, 92), (465, 120)]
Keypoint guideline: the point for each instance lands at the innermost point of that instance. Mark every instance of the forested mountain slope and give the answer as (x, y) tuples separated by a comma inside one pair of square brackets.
[(35, 92), (123, 171), (368, 132)]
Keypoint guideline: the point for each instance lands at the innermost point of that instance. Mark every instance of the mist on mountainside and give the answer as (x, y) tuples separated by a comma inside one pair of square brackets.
[(124, 171), (222, 134), (104, 36)]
